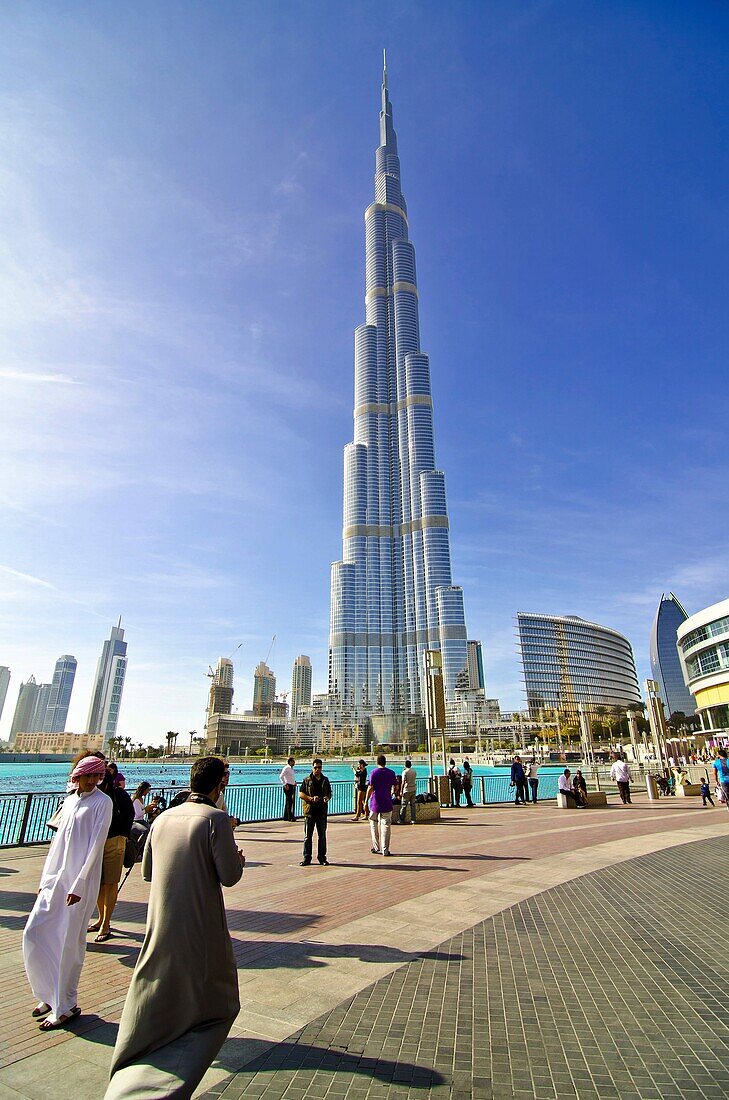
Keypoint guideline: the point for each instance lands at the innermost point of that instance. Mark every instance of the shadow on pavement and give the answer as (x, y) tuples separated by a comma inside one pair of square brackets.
[(309, 1058), (269, 955), (249, 920)]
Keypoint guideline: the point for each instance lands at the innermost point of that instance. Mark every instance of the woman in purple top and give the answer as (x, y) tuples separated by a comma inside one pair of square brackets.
[(379, 797)]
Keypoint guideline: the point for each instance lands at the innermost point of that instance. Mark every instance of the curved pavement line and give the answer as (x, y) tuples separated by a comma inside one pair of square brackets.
[(303, 980)]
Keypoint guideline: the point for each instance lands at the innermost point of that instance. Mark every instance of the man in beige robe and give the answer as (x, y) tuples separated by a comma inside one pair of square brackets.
[(183, 996)]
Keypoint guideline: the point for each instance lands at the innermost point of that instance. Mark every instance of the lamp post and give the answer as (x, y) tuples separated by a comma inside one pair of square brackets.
[(434, 703), (657, 721)]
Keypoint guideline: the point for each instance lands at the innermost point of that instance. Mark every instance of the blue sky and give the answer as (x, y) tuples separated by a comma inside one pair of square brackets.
[(181, 270)]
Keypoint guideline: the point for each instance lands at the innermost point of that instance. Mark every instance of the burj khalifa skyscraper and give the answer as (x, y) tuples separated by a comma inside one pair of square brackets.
[(391, 594)]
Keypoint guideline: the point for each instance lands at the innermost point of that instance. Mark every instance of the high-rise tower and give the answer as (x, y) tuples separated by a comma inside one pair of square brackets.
[(25, 708), (108, 685), (264, 690), (391, 594), (220, 700), (56, 714), (665, 662), (4, 685), (300, 684)]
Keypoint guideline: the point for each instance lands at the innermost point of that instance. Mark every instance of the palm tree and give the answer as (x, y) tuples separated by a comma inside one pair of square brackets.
[(115, 744), (171, 737), (193, 735)]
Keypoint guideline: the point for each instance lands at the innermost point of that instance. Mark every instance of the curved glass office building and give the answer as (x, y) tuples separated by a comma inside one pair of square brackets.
[(665, 662), (392, 595), (568, 661), (703, 645)]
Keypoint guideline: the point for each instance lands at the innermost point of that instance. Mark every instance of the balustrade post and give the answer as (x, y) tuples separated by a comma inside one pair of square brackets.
[(483, 789), (24, 822)]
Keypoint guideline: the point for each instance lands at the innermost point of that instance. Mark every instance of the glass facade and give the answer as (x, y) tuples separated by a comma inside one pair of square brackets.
[(665, 662), (704, 650), (568, 661), (392, 595), (60, 695), (108, 685)]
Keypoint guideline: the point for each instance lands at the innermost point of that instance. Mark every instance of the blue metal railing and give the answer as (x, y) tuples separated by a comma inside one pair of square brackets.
[(23, 817)]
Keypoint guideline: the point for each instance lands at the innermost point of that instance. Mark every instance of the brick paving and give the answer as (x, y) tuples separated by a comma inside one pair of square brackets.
[(596, 988), (306, 940)]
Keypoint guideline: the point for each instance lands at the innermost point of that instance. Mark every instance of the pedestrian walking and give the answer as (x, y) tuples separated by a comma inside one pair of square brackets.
[(360, 791), (315, 792), (220, 801), (379, 796), (620, 773), (183, 997), (408, 788), (455, 780), (288, 780), (518, 781), (721, 771), (112, 864), (467, 781), (706, 792), (54, 940), (533, 778)]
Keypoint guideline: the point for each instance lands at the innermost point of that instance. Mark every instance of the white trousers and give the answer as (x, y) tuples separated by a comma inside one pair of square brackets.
[(380, 828)]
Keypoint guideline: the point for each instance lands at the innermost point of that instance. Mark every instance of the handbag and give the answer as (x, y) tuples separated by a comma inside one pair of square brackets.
[(132, 853), (54, 820)]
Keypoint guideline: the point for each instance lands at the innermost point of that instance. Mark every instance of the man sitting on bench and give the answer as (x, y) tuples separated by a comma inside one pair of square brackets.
[(567, 789)]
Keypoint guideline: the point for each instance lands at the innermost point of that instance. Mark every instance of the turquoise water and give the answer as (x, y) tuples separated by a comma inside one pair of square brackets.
[(29, 793), (16, 778)]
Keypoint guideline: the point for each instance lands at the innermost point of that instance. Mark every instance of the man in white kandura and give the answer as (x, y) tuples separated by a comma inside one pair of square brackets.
[(183, 996), (54, 941)]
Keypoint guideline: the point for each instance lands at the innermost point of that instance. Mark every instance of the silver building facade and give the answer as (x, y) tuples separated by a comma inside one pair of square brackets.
[(665, 662), (392, 595), (56, 714), (108, 685), (568, 661)]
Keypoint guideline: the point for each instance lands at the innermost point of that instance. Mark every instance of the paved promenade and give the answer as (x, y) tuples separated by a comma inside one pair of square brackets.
[(507, 952)]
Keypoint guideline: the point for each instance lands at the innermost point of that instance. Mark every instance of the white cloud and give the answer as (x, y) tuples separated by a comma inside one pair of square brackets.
[(35, 377)]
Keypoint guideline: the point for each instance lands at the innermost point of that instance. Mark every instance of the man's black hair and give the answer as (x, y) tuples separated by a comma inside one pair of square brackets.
[(408, 763), (206, 773), (381, 760)]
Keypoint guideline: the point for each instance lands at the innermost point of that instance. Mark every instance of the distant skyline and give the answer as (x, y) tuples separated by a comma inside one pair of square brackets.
[(181, 268)]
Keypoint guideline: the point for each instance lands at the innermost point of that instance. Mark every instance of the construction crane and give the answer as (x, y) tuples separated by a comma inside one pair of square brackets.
[(210, 674), (273, 639)]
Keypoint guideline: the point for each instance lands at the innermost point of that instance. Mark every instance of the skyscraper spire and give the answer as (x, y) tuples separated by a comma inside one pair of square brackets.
[(388, 137), (391, 595)]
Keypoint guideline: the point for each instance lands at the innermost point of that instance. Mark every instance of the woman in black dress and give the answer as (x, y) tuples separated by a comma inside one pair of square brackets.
[(360, 790)]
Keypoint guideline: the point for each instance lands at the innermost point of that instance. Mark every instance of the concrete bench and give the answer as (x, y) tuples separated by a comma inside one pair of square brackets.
[(688, 790), (594, 798), (424, 814)]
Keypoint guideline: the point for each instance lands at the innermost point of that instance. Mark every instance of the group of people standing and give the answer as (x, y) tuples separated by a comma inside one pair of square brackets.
[(375, 797), (189, 854), (525, 781), (460, 781)]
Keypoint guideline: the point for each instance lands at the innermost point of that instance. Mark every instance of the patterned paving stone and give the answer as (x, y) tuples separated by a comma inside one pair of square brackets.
[(596, 988)]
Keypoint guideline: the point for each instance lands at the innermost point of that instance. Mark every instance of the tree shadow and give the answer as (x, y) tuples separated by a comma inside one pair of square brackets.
[(479, 858), (399, 866), (306, 954)]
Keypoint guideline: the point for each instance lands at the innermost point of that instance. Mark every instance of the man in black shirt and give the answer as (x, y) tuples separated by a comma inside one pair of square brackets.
[(315, 792)]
